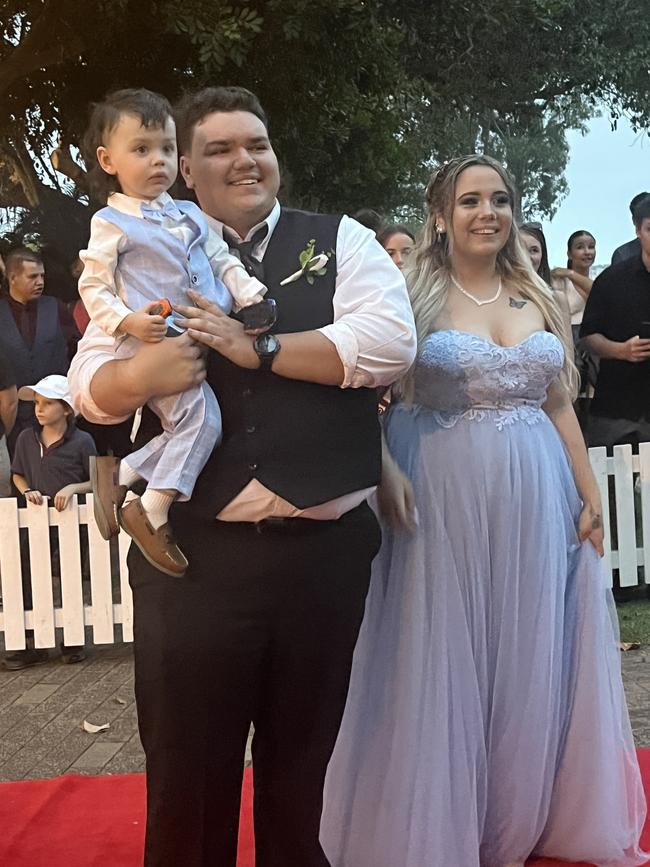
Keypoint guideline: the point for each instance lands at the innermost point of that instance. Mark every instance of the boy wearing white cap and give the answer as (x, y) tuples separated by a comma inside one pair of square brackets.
[(49, 463)]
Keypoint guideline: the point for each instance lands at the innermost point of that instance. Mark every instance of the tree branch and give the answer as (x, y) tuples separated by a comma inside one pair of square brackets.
[(38, 49)]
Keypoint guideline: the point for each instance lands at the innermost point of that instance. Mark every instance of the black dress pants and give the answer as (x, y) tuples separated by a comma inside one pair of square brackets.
[(261, 629)]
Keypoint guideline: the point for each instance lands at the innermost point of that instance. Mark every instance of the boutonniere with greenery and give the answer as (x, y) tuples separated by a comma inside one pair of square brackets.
[(311, 266)]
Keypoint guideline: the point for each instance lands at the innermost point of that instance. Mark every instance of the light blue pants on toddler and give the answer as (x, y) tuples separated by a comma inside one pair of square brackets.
[(191, 422)]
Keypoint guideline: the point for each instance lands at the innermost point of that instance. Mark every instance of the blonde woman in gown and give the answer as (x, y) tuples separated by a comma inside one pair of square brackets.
[(486, 719)]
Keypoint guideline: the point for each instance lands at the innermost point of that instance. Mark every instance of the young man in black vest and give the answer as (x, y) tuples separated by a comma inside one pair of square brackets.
[(263, 626), (36, 330)]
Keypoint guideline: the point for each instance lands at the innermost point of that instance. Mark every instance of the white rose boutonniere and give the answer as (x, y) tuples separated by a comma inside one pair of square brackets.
[(311, 266)]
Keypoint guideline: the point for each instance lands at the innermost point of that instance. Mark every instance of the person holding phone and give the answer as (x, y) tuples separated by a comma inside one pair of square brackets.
[(616, 327)]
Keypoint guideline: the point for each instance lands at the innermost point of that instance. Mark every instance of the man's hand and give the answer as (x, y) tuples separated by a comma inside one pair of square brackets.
[(175, 364), (208, 324), (146, 326), (635, 349), (34, 497)]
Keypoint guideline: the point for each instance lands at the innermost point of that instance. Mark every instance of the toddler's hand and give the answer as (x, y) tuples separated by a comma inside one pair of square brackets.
[(145, 326), (34, 497)]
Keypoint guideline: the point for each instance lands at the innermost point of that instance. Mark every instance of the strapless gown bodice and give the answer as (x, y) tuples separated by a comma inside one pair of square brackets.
[(461, 375)]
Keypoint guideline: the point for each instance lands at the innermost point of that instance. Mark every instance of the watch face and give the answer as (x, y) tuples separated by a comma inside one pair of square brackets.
[(266, 343)]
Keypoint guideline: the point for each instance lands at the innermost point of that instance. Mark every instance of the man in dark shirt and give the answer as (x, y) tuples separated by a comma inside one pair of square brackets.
[(8, 406), (616, 327), (36, 331), (630, 248)]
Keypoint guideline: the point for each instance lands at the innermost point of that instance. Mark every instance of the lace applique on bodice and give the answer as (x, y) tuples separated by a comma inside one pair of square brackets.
[(461, 375)]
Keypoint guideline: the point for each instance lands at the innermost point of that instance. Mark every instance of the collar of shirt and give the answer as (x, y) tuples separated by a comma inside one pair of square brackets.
[(22, 305), (67, 433), (271, 221), (132, 206)]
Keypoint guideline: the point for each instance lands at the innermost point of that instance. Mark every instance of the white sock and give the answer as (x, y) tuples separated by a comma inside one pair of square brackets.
[(156, 504), (127, 476)]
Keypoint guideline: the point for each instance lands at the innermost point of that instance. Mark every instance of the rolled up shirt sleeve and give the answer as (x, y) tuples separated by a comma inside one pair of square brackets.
[(99, 282), (373, 328)]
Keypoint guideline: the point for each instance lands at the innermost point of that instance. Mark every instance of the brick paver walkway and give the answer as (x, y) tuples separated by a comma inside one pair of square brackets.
[(42, 711)]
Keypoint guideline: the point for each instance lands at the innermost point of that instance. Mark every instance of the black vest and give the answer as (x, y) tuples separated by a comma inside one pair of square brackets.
[(308, 443), (48, 354)]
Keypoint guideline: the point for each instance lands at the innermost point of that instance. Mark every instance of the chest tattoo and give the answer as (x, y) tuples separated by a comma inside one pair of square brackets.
[(516, 304)]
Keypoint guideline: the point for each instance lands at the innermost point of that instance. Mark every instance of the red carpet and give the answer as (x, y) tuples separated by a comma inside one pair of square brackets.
[(78, 821)]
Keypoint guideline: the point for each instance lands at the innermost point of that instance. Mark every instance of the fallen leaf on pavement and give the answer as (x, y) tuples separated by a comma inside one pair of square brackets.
[(93, 729)]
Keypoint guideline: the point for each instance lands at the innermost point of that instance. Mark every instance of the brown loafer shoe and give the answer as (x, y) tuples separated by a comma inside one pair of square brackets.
[(157, 546), (108, 494)]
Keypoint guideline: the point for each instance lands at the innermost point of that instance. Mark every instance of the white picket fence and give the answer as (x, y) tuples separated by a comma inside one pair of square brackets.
[(631, 474), (102, 614)]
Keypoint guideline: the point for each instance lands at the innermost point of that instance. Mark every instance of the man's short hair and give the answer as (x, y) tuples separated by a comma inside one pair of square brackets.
[(637, 200), (641, 211), (16, 258), (193, 107)]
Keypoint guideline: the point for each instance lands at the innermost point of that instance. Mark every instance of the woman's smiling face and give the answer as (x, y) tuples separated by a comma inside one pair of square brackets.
[(481, 219)]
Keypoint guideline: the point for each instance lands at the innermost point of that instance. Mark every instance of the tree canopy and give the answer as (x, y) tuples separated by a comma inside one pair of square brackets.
[(363, 97)]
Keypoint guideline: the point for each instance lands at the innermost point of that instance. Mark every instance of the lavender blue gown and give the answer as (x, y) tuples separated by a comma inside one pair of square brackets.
[(486, 718)]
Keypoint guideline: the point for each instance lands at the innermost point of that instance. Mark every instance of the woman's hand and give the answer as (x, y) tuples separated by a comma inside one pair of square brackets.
[(209, 325), (395, 498), (590, 526), (561, 273), (34, 497)]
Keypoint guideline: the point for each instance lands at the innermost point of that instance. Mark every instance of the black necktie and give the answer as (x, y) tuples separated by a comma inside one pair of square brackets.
[(255, 267)]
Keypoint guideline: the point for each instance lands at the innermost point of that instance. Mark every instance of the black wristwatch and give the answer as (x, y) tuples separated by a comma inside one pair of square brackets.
[(267, 347)]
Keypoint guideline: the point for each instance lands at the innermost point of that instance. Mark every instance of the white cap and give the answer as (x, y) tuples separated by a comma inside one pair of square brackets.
[(54, 387)]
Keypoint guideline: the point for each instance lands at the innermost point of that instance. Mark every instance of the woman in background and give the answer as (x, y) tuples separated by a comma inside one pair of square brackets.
[(398, 241), (534, 241), (574, 281)]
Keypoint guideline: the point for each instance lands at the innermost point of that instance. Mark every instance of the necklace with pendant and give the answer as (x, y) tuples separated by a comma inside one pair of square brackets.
[(471, 297)]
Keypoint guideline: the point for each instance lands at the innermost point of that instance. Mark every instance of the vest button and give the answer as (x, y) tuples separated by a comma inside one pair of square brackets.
[(195, 279), (247, 392), (252, 466), (251, 429)]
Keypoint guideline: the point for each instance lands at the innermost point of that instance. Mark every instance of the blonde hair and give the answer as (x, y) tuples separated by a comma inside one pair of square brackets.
[(428, 275)]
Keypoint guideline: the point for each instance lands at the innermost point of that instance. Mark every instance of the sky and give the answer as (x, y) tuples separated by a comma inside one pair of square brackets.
[(606, 169)]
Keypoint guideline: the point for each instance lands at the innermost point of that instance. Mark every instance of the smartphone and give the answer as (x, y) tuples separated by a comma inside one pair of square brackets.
[(259, 317), (644, 330)]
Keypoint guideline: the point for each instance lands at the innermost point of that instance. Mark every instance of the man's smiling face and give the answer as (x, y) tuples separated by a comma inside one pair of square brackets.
[(232, 168)]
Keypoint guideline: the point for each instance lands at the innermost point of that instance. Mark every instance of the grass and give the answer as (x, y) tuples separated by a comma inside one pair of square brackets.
[(634, 620)]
